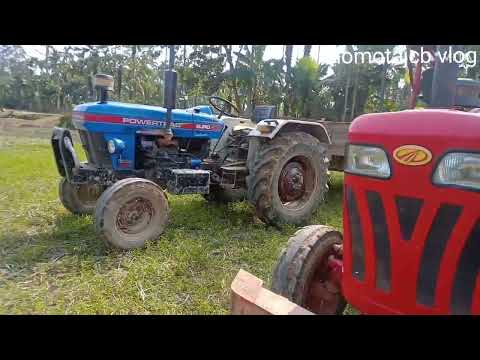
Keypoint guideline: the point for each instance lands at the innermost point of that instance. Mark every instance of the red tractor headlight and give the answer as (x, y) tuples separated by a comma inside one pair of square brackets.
[(368, 161), (459, 169)]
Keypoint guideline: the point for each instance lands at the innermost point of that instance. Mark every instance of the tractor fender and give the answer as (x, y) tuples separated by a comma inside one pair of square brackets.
[(282, 126)]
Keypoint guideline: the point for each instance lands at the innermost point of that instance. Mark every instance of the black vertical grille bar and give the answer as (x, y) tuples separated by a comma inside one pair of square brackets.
[(408, 210), (358, 248), (382, 242), (442, 226), (466, 274)]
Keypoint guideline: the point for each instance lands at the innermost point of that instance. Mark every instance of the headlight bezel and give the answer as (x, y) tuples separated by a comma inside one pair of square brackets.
[(368, 145), (439, 161), (118, 145)]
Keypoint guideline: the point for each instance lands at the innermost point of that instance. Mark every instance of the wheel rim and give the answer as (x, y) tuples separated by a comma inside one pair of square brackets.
[(296, 183), (135, 216), (88, 194), (323, 292)]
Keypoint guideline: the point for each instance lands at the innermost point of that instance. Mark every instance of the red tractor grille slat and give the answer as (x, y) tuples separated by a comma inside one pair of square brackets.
[(358, 245), (466, 274), (433, 251), (381, 241), (408, 210)]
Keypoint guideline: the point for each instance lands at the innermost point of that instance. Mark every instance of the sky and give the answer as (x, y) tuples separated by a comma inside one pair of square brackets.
[(328, 53)]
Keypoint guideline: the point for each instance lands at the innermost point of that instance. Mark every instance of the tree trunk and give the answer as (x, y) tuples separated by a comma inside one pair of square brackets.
[(119, 81), (306, 50), (382, 87), (287, 92), (354, 99), (134, 87), (47, 53), (347, 90), (254, 89), (238, 103)]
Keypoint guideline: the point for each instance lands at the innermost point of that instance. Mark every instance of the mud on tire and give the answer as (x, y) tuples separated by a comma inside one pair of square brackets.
[(131, 212), (265, 177), (79, 199), (299, 265)]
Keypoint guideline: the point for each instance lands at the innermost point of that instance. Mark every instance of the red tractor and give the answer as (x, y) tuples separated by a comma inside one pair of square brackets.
[(411, 217)]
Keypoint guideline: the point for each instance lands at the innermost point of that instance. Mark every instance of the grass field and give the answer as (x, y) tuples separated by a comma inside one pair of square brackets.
[(51, 261)]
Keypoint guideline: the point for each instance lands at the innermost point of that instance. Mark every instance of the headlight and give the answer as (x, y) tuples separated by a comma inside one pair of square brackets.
[(459, 169), (367, 160), (111, 146), (115, 146)]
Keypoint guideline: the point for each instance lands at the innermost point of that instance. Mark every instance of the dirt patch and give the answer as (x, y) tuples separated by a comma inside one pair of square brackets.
[(29, 124), (35, 121)]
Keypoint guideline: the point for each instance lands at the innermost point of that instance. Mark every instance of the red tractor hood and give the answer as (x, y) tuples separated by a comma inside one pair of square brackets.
[(411, 246), (458, 128)]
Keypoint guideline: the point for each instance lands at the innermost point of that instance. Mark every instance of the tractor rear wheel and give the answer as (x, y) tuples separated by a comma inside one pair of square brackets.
[(288, 179), (131, 212), (303, 274), (223, 194), (79, 199)]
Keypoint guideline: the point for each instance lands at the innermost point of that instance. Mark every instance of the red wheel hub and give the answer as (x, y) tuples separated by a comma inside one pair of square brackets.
[(292, 182), (324, 291)]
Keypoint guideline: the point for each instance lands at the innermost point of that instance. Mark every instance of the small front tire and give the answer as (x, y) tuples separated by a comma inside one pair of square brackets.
[(302, 273), (79, 199), (131, 212)]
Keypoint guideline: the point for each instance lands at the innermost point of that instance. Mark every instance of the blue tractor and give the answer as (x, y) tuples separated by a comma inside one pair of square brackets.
[(138, 153)]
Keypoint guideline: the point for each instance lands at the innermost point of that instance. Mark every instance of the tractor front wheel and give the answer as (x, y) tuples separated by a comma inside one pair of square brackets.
[(131, 212), (79, 199), (309, 270)]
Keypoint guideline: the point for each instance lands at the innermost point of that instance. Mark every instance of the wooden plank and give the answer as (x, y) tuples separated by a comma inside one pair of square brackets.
[(250, 298)]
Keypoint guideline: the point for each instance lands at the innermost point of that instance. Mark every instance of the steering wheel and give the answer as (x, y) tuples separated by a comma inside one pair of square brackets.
[(222, 109)]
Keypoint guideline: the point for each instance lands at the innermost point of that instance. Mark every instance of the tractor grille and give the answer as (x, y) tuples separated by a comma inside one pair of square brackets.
[(375, 234), (95, 148)]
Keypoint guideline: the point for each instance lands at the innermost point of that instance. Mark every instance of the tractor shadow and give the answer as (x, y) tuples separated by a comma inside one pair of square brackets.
[(68, 236)]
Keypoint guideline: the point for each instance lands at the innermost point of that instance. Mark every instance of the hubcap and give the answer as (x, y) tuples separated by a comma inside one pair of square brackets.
[(135, 215)]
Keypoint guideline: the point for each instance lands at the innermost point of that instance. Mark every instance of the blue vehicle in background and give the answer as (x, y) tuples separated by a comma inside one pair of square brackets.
[(137, 153)]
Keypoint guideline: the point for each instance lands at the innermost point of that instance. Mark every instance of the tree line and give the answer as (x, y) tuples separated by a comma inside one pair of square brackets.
[(301, 89)]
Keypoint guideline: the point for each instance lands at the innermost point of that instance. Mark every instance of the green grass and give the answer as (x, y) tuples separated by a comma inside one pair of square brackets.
[(52, 262)]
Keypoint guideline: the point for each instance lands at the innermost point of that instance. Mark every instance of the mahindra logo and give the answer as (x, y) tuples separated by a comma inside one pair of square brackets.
[(412, 155)]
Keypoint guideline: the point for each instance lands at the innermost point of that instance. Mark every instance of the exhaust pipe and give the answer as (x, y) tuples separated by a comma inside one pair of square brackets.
[(170, 91)]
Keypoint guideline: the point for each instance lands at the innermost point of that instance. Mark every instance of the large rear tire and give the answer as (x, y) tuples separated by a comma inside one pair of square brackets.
[(288, 179), (131, 212), (302, 273), (79, 199)]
